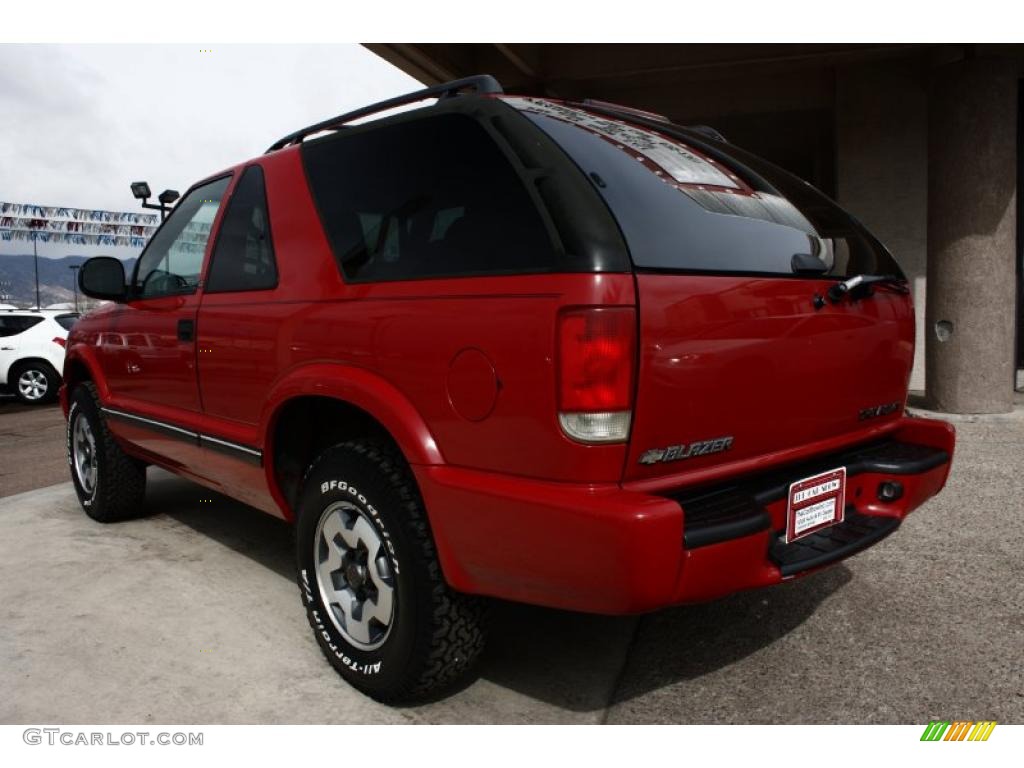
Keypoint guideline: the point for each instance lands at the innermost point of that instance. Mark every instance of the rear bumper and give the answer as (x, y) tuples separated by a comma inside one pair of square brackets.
[(604, 549)]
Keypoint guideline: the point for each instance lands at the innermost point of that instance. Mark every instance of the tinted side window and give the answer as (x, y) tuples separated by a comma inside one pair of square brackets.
[(173, 260), (424, 198), (66, 321), (12, 325), (243, 258)]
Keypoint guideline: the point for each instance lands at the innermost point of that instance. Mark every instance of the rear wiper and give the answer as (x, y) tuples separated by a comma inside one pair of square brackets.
[(850, 286)]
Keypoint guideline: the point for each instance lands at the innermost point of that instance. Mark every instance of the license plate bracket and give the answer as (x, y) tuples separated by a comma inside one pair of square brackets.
[(815, 503)]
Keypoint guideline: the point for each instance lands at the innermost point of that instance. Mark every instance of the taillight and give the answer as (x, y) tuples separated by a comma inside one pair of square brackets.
[(60, 341), (596, 357)]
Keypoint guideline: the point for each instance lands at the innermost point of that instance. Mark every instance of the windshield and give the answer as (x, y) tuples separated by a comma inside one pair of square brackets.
[(173, 259), (687, 202)]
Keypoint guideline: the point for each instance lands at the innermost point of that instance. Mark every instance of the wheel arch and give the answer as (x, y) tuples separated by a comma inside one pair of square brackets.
[(321, 404), (81, 365), (29, 359)]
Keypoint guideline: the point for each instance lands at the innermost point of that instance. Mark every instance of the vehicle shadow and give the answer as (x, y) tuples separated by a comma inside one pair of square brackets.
[(585, 663), (573, 661), (691, 642), (266, 540)]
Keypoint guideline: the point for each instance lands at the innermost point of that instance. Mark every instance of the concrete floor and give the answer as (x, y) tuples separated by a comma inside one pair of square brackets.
[(191, 615)]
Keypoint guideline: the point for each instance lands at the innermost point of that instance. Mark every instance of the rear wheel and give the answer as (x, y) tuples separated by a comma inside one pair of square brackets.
[(111, 485), (35, 382), (371, 581)]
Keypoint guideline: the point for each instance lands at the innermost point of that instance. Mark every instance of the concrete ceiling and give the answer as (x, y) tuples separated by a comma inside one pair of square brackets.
[(597, 70)]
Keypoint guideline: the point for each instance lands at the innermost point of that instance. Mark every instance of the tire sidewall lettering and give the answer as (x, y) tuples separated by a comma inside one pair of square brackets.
[(76, 411), (313, 606), (71, 420)]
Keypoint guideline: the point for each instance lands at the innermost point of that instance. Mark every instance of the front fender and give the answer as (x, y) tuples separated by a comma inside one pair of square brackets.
[(84, 355)]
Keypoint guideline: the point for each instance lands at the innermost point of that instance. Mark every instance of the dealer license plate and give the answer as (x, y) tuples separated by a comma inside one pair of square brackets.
[(815, 503)]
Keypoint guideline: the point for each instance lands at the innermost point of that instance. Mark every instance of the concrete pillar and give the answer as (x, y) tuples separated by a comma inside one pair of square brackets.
[(882, 166), (972, 158)]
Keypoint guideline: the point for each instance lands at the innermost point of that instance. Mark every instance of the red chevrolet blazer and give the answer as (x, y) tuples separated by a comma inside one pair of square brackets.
[(569, 354)]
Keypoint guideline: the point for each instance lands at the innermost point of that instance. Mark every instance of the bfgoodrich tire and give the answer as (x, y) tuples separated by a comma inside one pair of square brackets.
[(111, 485), (371, 582)]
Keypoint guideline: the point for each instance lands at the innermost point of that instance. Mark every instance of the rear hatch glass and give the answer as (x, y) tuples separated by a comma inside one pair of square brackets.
[(687, 202)]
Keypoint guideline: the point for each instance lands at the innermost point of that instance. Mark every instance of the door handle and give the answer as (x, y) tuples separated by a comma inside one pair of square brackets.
[(186, 330)]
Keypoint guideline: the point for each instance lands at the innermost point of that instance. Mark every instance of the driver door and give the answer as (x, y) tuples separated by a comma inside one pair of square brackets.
[(152, 379)]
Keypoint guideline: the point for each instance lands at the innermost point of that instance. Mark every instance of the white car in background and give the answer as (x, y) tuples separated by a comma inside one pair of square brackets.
[(32, 352)]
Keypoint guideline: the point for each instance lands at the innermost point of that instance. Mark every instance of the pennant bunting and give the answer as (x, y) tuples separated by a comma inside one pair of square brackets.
[(78, 214), (80, 226)]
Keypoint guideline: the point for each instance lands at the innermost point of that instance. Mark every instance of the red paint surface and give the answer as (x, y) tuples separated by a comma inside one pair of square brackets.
[(472, 385)]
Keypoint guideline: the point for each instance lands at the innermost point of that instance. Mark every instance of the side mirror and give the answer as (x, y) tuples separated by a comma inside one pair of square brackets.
[(102, 277)]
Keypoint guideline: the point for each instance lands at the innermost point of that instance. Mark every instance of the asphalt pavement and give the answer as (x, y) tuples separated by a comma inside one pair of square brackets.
[(191, 615), (31, 446)]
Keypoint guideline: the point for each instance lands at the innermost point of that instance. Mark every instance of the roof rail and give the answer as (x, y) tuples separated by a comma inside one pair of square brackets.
[(707, 130), (608, 108), (611, 107), (480, 83)]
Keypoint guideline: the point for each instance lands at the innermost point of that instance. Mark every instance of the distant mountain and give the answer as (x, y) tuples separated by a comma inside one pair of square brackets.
[(17, 279)]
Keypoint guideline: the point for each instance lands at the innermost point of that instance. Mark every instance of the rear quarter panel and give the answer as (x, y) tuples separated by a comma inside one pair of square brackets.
[(410, 334), (258, 345)]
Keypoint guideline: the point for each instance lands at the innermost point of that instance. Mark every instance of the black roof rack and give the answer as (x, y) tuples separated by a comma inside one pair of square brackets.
[(480, 83), (651, 118), (707, 130)]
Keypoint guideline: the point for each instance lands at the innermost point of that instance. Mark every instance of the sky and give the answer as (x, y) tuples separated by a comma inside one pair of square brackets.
[(78, 123)]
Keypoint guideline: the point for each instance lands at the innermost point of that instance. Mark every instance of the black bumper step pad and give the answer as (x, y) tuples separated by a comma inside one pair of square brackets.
[(887, 458), (856, 532), (720, 513)]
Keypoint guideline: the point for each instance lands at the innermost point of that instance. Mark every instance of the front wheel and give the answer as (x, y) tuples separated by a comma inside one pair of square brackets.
[(371, 581), (110, 484)]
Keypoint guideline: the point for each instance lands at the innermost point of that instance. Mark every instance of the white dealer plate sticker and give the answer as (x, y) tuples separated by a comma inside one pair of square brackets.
[(815, 503), (683, 164)]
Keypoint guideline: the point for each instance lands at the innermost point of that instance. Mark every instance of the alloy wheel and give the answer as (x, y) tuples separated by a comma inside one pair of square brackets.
[(354, 575), (33, 385), (83, 454)]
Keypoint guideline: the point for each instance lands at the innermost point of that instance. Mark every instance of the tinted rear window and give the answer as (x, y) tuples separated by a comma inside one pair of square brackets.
[(12, 325), (429, 197), (690, 203)]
